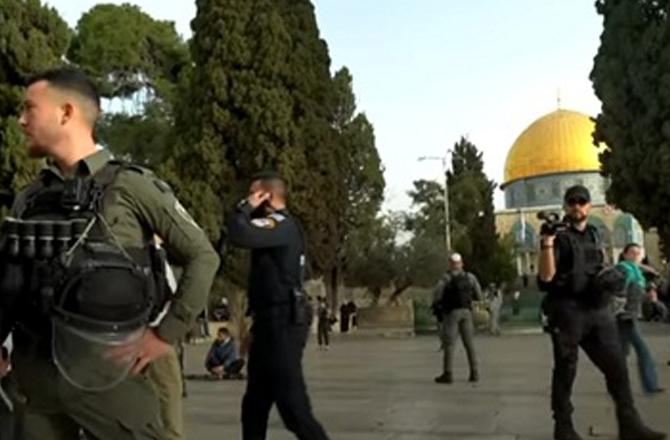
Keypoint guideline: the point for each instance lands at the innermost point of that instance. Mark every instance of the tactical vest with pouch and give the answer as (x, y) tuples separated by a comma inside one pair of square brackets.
[(83, 293)]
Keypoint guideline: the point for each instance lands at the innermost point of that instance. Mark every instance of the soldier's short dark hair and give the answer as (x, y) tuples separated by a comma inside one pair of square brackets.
[(271, 181), (267, 175), (71, 80)]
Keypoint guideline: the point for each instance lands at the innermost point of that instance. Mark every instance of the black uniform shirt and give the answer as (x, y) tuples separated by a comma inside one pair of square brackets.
[(277, 255)]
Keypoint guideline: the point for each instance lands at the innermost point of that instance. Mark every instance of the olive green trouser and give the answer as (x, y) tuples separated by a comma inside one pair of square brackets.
[(165, 376), (55, 410)]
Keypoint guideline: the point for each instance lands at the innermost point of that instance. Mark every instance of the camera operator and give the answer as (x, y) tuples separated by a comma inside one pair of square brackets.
[(570, 258)]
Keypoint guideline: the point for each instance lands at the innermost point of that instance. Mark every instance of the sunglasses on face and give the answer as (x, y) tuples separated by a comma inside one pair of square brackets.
[(577, 201)]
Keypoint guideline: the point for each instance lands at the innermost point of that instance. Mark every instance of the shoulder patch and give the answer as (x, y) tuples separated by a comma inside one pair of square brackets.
[(183, 213), (265, 222), (277, 217)]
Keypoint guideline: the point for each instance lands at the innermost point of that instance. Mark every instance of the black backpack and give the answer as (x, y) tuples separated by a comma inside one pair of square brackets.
[(458, 292)]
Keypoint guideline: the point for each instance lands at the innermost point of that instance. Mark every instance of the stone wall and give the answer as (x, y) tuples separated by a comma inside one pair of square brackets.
[(387, 320)]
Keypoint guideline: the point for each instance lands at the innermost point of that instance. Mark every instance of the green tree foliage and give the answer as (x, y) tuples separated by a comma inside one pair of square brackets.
[(373, 257), (236, 114), (361, 172), (630, 77), (127, 50), (141, 138), (471, 209), (377, 261), (139, 60), (428, 220), (472, 220), (261, 96), (362, 169), (317, 166), (33, 37)]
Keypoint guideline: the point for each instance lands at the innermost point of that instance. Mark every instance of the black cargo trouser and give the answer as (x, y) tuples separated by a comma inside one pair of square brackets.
[(572, 325), (275, 376), (323, 330)]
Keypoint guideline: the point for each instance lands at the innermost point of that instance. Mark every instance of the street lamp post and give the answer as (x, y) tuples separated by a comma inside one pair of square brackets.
[(447, 221)]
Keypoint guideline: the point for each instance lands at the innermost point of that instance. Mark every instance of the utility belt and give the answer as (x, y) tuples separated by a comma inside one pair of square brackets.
[(297, 309)]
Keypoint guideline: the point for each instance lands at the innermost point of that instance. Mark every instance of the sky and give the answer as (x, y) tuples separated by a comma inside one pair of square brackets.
[(427, 72)]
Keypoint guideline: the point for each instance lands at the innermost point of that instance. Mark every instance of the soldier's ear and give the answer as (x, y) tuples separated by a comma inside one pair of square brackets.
[(67, 112)]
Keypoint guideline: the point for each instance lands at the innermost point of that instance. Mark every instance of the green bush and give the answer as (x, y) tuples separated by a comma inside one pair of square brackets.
[(423, 316)]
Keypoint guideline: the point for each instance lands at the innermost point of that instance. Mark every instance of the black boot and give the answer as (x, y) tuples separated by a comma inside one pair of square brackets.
[(474, 377), (564, 430), (444, 378), (640, 433), (631, 427)]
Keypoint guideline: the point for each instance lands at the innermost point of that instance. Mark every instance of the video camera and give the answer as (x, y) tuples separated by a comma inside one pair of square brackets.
[(552, 223)]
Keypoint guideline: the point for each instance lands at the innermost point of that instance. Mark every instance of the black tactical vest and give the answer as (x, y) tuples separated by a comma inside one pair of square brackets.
[(70, 261), (586, 259), (458, 292)]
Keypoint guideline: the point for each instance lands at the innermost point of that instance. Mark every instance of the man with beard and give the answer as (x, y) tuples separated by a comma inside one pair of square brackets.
[(578, 316)]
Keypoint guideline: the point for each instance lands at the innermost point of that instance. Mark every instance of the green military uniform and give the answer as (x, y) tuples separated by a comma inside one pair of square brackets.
[(136, 206), (166, 378)]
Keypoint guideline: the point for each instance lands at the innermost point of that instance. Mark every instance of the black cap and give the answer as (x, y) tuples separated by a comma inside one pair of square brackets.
[(577, 191)]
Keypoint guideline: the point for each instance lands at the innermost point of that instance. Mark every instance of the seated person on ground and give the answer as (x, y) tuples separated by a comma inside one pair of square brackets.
[(223, 359), (652, 308)]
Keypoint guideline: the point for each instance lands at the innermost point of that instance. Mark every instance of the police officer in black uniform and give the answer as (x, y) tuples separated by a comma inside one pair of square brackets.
[(279, 309), (571, 257)]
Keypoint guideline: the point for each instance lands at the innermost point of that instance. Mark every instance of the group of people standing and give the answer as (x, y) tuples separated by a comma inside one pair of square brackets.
[(588, 305)]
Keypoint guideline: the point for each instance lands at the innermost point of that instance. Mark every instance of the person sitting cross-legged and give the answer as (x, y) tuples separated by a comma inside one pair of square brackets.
[(223, 360)]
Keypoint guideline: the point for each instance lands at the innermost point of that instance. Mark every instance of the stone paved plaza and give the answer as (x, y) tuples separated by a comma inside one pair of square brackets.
[(383, 389)]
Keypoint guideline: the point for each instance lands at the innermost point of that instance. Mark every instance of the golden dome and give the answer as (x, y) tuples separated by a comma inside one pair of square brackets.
[(559, 142)]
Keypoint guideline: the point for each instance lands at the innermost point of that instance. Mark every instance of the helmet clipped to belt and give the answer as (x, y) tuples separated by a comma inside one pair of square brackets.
[(104, 304)]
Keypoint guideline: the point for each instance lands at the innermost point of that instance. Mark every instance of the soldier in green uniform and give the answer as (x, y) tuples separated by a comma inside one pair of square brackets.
[(59, 113)]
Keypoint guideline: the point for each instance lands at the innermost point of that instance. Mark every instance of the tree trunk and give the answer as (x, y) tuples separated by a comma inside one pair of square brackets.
[(332, 282), (239, 323), (395, 296), (376, 294)]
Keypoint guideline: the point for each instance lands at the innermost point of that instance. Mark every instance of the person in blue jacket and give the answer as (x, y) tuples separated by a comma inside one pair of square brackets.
[(223, 360)]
